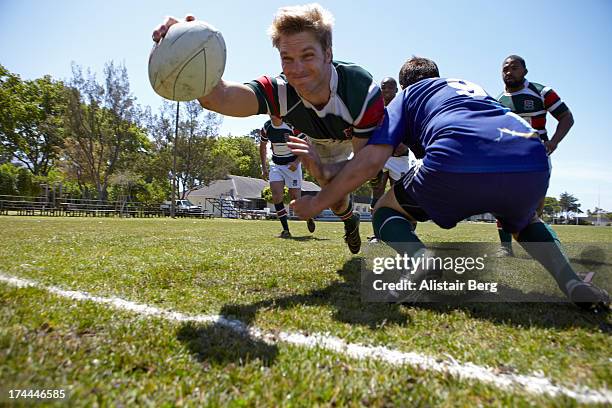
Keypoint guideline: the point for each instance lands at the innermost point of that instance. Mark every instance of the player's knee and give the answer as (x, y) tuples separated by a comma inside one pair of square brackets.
[(277, 197), (381, 216)]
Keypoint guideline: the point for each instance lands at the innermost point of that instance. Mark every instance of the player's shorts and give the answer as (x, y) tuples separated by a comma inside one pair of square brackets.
[(397, 166), (448, 198), (281, 172), (332, 151)]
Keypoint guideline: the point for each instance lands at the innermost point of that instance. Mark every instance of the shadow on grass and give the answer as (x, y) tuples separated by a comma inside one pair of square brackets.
[(217, 344), (304, 238), (343, 296), (543, 315)]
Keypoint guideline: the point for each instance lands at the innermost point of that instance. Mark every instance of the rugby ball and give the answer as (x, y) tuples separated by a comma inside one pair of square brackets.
[(188, 62)]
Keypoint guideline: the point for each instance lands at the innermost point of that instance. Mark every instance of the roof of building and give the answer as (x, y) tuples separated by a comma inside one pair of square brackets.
[(241, 187)]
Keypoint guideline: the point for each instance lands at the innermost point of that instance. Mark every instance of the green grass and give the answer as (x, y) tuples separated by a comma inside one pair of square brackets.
[(238, 269)]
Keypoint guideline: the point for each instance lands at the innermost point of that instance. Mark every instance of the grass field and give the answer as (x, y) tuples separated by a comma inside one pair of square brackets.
[(102, 354)]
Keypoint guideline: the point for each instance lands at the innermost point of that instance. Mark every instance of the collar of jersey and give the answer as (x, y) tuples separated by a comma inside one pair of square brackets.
[(525, 87)]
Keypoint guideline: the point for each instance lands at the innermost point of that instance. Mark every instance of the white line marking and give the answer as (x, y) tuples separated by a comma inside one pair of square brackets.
[(533, 384)]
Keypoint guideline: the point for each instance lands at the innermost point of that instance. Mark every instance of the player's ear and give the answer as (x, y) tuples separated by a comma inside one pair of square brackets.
[(329, 55)]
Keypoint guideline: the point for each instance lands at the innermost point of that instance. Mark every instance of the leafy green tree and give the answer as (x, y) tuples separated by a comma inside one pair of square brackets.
[(102, 127), (569, 204), (237, 155), (195, 165), (31, 120), (266, 194), (551, 207)]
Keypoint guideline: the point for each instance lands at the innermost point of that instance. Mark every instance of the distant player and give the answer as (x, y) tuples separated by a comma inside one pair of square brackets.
[(285, 170), (335, 104), (479, 157), (531, 101)]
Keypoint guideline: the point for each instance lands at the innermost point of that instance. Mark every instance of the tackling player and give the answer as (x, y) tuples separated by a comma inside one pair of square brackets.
[(479, 156)]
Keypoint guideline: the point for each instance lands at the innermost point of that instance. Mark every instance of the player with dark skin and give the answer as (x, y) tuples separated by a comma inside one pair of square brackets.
[(532, 102)]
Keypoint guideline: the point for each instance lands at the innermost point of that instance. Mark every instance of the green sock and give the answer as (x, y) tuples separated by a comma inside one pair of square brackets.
[(505, 238), (550, 254), (393, 228)]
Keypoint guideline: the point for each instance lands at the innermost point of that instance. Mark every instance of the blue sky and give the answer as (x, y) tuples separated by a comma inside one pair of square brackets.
[(563, 42)]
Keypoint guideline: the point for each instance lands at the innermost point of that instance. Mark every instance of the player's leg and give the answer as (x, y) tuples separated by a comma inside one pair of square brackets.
[(394, 220), (294, 180), (277, 185), (378, 187), (377, 184), (542, 243), (505, 239), (332, 153), (296, 193), (549, 252)]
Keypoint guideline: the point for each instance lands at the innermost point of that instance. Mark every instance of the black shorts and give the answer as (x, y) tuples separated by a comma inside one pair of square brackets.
[(448, 198)]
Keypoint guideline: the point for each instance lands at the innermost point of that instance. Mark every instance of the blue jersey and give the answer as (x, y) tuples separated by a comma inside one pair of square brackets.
[(456, 127)]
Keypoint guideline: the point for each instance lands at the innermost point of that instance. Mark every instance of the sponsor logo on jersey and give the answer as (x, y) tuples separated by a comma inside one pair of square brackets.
[(348, 132), (528, 105)]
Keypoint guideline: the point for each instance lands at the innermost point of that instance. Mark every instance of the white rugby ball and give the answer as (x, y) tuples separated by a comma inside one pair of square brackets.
[(188, 62)]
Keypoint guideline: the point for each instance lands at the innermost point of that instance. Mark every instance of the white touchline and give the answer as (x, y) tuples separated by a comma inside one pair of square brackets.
[(468, 371)]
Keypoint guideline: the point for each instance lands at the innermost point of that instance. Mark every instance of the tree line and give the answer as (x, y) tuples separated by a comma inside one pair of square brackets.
[(93, 140)]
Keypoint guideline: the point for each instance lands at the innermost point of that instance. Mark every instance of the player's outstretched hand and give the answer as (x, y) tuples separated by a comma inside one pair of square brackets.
[(306, 207), (308, 156), (161, 30)]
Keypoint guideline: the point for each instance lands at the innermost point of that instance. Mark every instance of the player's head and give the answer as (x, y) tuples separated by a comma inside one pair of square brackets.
[(514, 71), (415, 69), (389, 89), (303, 37)]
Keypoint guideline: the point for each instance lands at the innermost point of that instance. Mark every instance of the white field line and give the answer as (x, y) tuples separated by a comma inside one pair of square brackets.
[(534, 384)]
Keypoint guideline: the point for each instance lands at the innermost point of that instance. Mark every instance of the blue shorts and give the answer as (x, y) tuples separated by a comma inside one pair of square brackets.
[(448, 198)]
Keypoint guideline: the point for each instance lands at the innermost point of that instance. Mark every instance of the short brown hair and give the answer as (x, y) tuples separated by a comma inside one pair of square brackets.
[(415, 69), (296, 19)]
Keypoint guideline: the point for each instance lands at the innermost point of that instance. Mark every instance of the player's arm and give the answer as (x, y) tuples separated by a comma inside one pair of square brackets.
[(227, 98), (364, 166), (557, 108), (566, 121), (231, 99)]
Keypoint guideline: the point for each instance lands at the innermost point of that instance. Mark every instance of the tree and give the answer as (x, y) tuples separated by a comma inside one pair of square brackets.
[(31, 125), (194, 147), (551, 207), (255, 134), (569, 204), (238, 156), (101, 125), (266, 194)]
